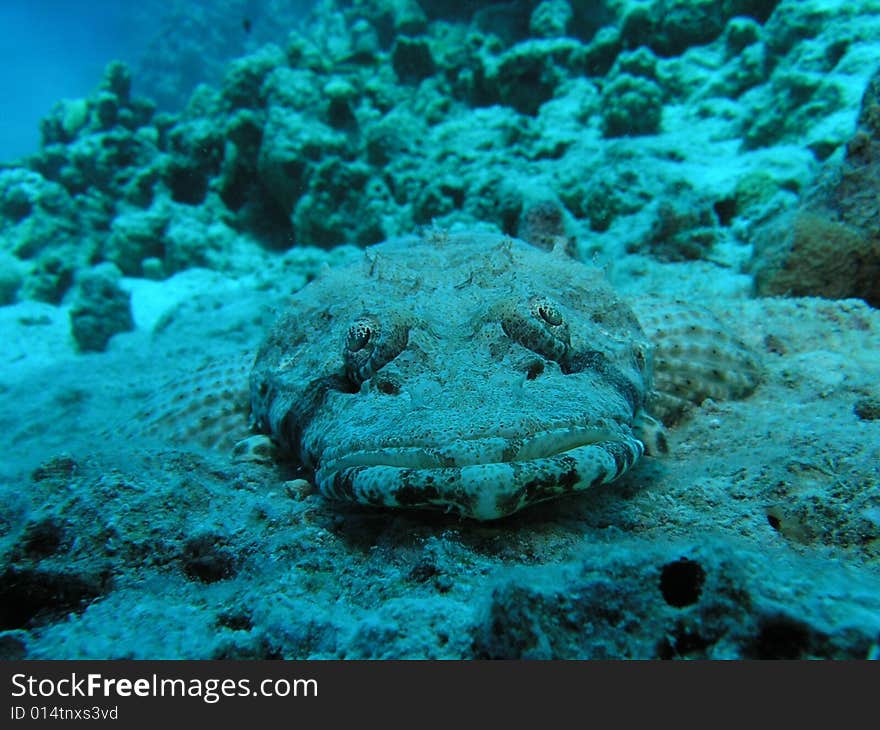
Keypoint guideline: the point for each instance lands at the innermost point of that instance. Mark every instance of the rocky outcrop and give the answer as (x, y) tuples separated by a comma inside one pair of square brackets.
[(830, 246)]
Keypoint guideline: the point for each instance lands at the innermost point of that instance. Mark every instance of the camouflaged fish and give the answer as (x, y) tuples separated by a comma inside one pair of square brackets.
[(477, 374)]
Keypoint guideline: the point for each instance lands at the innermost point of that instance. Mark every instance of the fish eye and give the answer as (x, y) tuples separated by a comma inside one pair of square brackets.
[(370, 344), (538, 324), (547, 312), (359, 335), (642, 354)]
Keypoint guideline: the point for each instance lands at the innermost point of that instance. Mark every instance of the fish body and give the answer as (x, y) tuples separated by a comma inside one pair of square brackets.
[(471, 373)]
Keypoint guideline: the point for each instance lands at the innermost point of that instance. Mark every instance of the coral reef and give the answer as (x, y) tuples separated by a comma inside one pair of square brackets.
[(631, 105), (685, 227), (376, 117)]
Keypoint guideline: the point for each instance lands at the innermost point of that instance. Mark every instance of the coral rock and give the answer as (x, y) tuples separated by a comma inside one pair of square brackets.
[(831, 246), (101, 310)]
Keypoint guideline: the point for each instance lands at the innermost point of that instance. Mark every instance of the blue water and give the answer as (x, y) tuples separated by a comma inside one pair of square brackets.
[(57, 49), (54, 49)]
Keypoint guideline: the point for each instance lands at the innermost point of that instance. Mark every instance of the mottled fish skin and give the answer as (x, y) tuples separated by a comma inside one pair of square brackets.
[(206, 407), (471, 373), (695, 357)]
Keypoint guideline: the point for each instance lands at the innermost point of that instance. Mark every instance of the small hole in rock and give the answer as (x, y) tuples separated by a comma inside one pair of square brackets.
[(206, 560), (725, 209), (681, 582), (387, 386)]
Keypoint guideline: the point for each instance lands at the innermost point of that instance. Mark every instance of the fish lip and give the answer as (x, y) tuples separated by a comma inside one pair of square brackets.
[(487, 490), (475, 452)]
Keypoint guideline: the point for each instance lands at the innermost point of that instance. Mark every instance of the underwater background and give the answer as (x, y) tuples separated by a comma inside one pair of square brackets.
[(174, 175)]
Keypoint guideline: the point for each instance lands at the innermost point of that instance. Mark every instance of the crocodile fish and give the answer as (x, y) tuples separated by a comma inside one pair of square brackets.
[(477, 374)]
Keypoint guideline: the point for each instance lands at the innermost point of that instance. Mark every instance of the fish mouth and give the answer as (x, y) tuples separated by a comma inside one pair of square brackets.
[(484, 478)]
